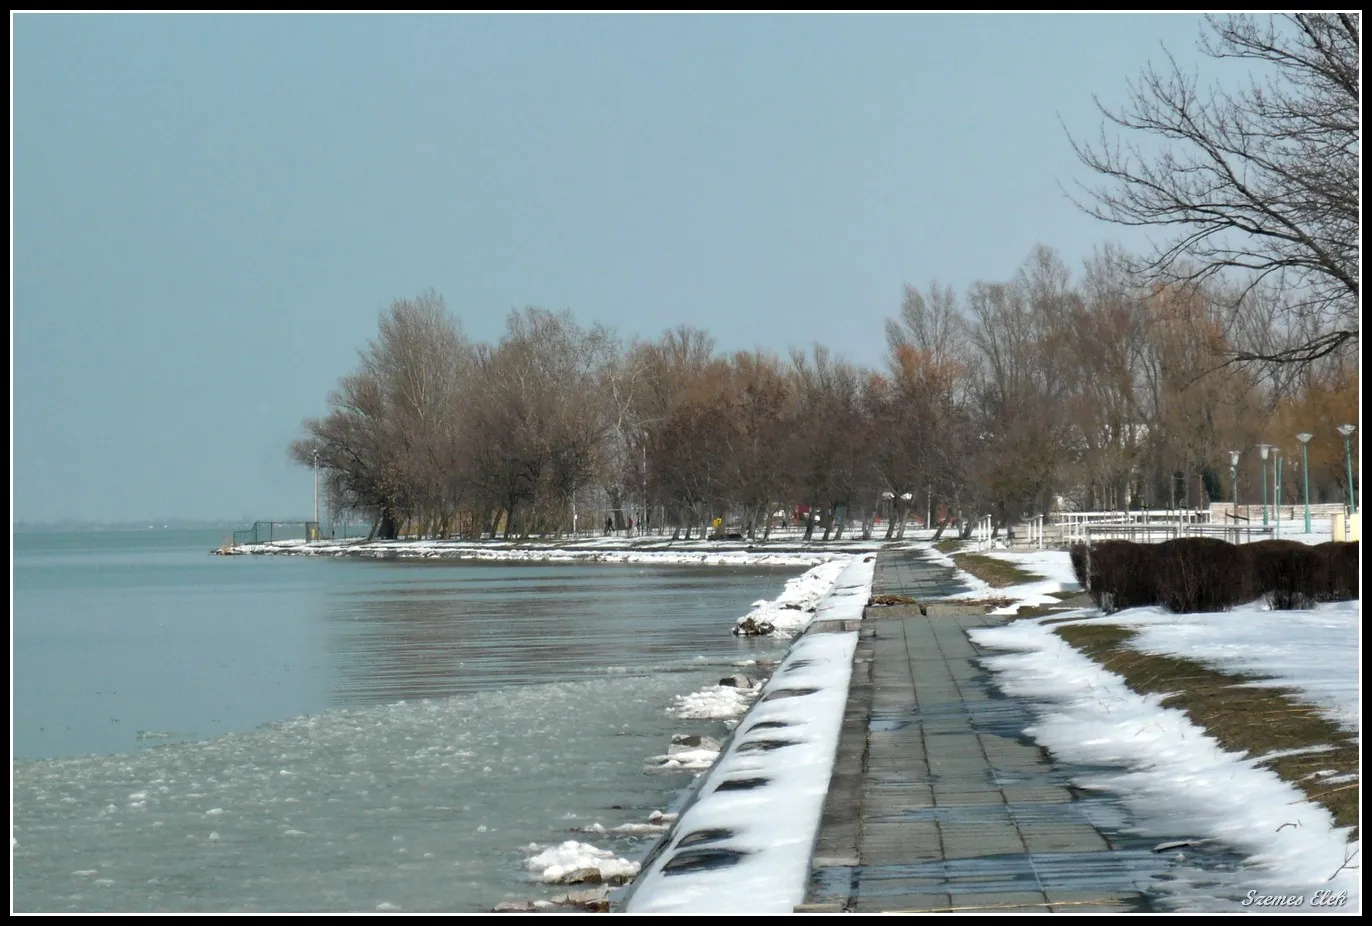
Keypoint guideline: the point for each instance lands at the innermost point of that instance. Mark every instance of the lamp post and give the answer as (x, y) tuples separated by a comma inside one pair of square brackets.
[(1304, 438), (1234, 481), (1347, 431), (315, 454), (1263, 451), (1277, 470)]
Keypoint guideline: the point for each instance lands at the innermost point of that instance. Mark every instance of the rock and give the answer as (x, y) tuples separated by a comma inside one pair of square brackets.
[(513, 906), (737, 681), (691, 742), (582, 898), (580, 876), (754, 627)]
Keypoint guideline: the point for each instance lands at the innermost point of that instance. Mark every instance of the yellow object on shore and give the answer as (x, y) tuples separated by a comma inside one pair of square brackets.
[(1347, 527)]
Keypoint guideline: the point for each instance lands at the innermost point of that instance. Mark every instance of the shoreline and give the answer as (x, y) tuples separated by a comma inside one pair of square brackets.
[(820, 594), (756, 809), (641, 551)]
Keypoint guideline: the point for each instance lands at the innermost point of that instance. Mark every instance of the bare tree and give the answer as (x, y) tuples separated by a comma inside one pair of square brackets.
[(539, 418), (386, 445), (1263, 180), (1020, 385)]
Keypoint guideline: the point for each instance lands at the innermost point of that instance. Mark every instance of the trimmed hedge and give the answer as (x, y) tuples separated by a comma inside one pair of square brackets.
[(1201, 574), (1289, 574), (1117, 574), (1190, 574), (1341, 564)]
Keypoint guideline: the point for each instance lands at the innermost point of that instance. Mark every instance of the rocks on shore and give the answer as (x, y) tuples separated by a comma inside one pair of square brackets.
[(754, 627), (596, 900), (692, 742)]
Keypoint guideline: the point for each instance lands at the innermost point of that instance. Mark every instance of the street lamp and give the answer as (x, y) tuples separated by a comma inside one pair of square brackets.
[(1234, 480), (1277, 470), (315, 454), (1304, 438), (1263, 451), (1347, 431)]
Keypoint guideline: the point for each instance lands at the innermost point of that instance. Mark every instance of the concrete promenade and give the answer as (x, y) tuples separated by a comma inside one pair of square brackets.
[(938, 802)]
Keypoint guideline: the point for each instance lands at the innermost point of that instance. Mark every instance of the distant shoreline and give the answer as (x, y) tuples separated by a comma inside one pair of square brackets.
[(647, 550)]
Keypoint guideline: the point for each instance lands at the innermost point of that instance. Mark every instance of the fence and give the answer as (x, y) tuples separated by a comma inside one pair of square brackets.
[(1158, 531), (267, 531), (982, 533), (1075, 524)]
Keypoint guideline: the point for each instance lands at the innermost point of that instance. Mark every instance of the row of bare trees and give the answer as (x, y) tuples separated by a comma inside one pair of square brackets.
[(1125, 385), (1087, 390)]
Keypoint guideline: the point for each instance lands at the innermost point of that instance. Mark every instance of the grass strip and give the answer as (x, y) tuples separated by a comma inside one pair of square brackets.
[(994, 572), (1245, 719)]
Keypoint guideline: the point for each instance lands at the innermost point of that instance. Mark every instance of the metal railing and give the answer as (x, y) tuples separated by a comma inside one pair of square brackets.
[(1157, 531), (1074, 524), (267, 531), (982, 533)]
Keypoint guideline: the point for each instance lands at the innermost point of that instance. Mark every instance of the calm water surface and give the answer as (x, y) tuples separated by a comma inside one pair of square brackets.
[(203, 733)]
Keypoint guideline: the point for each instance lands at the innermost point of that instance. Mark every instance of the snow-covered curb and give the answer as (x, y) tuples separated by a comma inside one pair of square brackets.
[(752, 823), (836, 590), (790, 612), (1171, 774)]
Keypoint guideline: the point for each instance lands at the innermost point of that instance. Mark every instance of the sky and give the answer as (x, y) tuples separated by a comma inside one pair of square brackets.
[(209, 212)]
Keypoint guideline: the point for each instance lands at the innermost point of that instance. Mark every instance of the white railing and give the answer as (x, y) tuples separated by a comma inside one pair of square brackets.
[(1076, 523), (1157, 531), (983, 533)]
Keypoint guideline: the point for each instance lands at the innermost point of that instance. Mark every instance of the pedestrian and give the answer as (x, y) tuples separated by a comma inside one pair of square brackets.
[(631, 527), (609, 526)]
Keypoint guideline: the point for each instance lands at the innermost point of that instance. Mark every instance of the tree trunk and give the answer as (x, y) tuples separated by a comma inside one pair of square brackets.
[(942, 524), (388, 529)]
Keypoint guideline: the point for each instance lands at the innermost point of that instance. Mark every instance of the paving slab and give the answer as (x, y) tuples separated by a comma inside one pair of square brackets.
[(939, 802)]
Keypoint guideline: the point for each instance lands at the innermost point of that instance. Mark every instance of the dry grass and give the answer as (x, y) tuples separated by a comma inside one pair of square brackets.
[(994, 572), (1243, 719)]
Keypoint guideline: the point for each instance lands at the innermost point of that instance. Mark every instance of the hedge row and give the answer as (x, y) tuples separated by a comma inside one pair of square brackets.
[(1208, 574)]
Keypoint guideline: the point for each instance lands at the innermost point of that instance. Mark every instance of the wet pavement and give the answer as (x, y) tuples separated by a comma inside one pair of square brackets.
[(938, 801)]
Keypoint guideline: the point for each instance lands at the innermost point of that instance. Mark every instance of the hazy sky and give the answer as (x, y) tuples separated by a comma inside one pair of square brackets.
[(209, 212)]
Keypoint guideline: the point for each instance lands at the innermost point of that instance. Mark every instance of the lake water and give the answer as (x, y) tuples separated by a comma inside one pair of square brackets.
[(202, 733)]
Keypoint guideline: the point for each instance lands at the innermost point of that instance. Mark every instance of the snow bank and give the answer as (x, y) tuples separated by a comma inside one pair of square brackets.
[(1170, 774)]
